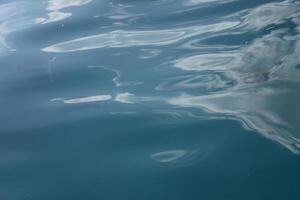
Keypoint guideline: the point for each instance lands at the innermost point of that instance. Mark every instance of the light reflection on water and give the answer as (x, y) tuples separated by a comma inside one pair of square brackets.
[(110, 89)]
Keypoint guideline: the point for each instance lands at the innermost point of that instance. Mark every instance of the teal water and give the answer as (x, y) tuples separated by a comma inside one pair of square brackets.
[(149, 99)]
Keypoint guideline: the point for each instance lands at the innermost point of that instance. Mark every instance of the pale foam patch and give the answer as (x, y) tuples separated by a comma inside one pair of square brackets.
[(124, 98)]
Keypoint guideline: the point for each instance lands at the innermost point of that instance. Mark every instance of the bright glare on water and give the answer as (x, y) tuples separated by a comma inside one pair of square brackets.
[(149, 100)]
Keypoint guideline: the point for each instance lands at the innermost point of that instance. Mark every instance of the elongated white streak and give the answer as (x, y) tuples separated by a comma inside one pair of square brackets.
[(88, 99), (121, 38)]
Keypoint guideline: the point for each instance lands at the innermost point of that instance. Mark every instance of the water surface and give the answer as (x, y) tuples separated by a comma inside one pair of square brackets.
[(149, 99)]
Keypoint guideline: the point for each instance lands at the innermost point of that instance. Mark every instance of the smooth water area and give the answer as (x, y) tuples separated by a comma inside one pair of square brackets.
[(149, 99)]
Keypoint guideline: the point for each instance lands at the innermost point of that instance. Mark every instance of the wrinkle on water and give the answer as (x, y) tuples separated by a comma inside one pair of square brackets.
[(153, 99), (253, 66)]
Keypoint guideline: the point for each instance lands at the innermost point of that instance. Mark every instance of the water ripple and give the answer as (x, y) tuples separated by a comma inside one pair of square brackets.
[(121, 38), (155, 99)]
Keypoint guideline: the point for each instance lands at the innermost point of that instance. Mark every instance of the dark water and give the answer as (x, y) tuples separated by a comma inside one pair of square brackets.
[(149, 100)]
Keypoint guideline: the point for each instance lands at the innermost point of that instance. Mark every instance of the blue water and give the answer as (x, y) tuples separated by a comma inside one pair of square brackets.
[(149, 100)]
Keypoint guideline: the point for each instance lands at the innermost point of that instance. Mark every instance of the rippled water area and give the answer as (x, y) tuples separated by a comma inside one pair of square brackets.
[(149, 100)]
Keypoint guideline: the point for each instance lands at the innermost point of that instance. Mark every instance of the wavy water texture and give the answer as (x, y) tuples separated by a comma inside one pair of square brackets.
[(136, 38), (154, 99), (55, 6), (266, 72), (239, 79)]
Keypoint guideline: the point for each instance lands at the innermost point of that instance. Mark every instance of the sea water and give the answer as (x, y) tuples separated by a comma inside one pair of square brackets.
[(149, 99)]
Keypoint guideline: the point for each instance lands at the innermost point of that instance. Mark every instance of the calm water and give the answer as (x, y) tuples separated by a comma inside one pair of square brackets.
[(149, 100)]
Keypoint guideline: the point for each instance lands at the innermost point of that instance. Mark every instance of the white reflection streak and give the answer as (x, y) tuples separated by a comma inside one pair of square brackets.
[(60, 4), (212, 61), (88, 99), (54, 6), (205, 2), (11, 19), (53, 17), (126, 97), (168, 156), (121, 38)]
